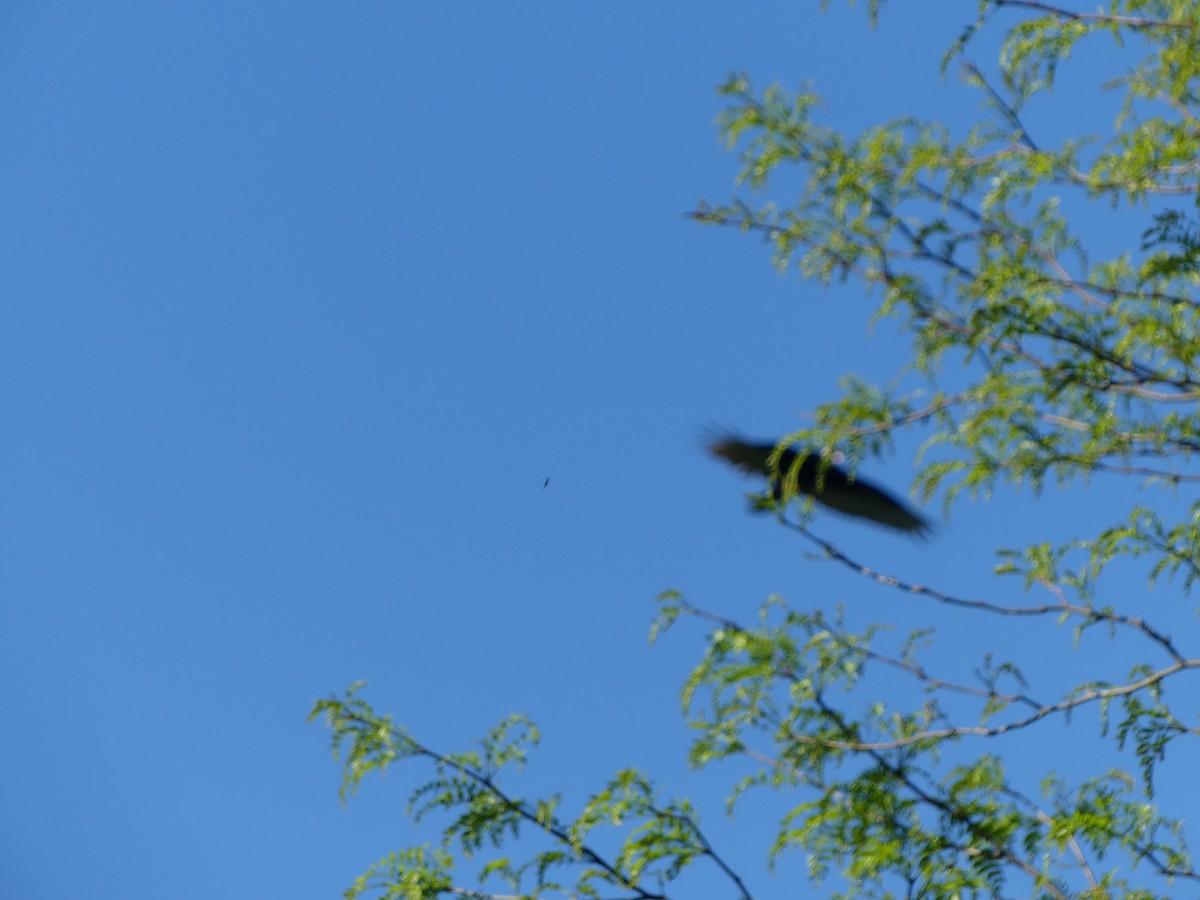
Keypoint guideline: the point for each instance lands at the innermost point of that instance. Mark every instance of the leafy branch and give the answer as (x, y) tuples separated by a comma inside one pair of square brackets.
[(664, 840)]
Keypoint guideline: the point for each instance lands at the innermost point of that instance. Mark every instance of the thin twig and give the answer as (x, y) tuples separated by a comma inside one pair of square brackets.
[(1103, 18), (1075, 609)]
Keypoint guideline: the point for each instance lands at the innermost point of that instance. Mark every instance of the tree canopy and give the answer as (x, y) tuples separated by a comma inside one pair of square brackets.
[(1036, 358)]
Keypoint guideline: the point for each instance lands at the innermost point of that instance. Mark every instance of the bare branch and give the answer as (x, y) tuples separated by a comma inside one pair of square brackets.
[(1085, 612), (1102, 18)]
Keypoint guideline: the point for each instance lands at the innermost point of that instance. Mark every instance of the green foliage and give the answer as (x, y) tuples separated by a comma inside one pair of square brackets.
[(477, 813), (1034, 361)]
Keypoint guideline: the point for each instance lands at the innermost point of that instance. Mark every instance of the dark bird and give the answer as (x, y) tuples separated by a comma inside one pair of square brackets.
[(854, 497)]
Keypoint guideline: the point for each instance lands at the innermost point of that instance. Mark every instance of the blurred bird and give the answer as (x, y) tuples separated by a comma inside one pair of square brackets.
[(856, 497)]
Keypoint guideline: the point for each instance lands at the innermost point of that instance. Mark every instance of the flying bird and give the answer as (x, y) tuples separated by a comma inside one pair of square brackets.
[(854, 497)]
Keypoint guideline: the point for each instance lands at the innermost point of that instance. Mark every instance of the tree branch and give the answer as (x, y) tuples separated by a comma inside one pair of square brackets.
[(1085, 612)]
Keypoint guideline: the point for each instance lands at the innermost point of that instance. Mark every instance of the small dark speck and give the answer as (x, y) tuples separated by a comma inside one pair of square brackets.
[(546, 483)]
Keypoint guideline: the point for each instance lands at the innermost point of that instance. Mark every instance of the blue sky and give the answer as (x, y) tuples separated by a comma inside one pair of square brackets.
[(303, 302)]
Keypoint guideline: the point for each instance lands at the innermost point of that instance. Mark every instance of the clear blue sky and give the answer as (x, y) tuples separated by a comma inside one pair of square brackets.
[(302, 303)]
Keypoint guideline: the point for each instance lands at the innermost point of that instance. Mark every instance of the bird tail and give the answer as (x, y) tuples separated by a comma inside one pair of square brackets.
[(731, 446)]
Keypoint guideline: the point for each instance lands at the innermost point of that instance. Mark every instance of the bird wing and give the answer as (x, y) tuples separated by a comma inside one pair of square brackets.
[(866, 501), (837, 490)]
